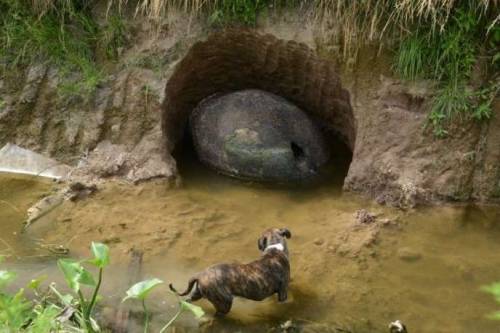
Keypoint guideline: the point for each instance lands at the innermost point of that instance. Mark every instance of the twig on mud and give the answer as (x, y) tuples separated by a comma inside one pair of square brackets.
[(11, 206), (70, 240), (8, 248)]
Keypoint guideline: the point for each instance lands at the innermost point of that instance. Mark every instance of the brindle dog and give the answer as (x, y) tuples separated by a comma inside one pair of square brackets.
[(256, 280)]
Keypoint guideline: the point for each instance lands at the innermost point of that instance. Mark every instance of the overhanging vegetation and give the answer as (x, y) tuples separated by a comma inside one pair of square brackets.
[(445, 41)]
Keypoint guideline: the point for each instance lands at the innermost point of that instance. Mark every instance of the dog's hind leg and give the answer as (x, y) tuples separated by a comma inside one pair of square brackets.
[(196, 295), (222, 304), (223, 308)]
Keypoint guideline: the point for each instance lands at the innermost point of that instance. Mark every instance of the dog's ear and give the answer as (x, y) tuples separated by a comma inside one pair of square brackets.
[(262, 243), (285, 233)]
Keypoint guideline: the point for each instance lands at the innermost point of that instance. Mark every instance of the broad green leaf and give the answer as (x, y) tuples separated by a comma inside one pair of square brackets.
[(494, 315), (6, 277), (86, 277), (70, 270), (101, 255), (141, 289), (75, 274), (194, 309), (35, 283), (493, 289)]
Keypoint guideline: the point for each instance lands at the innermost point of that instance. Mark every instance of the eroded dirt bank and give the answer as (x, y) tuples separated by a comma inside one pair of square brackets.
[(394, 159)]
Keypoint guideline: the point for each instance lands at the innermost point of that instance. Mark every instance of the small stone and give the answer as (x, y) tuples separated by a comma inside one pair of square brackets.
[(389, 222), (408, 254), (364, 217), (115, 130), (319, 241), (112, 240)]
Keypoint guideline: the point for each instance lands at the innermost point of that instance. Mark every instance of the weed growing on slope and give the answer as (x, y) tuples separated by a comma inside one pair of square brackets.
[(63, 34), (450, 55)]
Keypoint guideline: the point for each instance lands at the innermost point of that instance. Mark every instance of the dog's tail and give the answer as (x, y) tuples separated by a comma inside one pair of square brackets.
[(191, 284)]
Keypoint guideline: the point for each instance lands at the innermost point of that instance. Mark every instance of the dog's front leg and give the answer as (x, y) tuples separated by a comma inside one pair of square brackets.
[(282, 294)]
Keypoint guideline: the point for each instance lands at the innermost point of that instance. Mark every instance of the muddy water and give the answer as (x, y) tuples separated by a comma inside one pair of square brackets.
[(17, 194), (424, 267)]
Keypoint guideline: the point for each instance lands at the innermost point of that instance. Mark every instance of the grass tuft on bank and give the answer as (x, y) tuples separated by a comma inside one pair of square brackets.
[(61, 33)]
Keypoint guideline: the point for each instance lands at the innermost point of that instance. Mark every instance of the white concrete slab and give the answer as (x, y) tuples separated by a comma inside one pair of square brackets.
[(15, 159)]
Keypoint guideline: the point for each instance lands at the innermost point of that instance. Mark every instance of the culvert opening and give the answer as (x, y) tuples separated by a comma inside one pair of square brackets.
[(236, 60), (331, 174), (298, 152)]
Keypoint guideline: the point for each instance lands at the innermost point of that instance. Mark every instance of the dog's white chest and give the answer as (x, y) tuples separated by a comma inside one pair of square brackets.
[(278, 247)]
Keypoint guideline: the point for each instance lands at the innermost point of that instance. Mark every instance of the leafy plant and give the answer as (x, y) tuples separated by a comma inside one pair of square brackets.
[(52, 311), (76, 276), (494, 290), (14, 309), (141, 290), (182, 307), (18, 314), (448, 55)]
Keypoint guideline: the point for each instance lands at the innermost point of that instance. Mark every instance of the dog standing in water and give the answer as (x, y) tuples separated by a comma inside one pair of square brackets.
[(256, 280)]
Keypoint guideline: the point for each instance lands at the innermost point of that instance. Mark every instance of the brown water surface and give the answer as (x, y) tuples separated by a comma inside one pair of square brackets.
[(424, 267)]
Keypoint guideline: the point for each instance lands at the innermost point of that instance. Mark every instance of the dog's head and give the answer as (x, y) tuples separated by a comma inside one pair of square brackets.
[(274, 238)]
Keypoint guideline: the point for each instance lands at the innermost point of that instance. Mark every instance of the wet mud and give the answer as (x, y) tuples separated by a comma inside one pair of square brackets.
[(424, 266)]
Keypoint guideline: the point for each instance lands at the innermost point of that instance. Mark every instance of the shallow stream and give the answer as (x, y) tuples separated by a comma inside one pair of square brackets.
[(424, 267)]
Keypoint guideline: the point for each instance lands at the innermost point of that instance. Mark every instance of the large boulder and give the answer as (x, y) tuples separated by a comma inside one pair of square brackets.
[(253, 134)]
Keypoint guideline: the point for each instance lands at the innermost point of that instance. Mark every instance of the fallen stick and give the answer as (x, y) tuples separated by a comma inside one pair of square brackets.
[(122, 323), (11, 206), (42, 208)]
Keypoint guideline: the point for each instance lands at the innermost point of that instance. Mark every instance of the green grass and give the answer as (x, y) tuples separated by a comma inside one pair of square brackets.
[(237, 11), (113, 36), (411, 58), (445, 41), (450, 55), (243, 12), (65, 36)]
